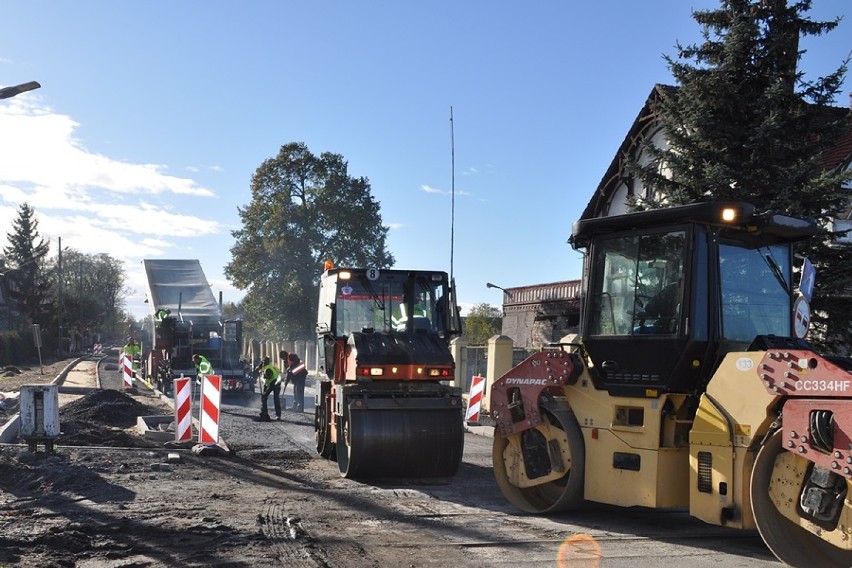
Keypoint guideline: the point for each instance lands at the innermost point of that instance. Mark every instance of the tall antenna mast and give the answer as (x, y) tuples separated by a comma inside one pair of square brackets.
[(453, 191)]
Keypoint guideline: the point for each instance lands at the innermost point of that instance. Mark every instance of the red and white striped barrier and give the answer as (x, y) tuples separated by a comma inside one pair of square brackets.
[(477, 389), (183, 409), (97, 349), (128, 373), (211, 395)]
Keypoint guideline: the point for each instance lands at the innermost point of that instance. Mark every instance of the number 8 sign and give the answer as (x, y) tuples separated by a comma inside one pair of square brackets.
[(372, 274)]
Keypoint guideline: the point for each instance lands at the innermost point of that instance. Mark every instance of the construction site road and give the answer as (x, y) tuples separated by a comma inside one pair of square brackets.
[(106, 497)]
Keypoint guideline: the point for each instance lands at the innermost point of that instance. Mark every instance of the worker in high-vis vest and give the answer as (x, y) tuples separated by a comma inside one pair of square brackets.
[(271, 384), (399, 318), (133, 350), (164, 324), (297, 373), (202, 367)]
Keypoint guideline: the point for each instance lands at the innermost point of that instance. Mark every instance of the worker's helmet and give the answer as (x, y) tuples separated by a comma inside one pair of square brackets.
[(196, 357), (266, 360)]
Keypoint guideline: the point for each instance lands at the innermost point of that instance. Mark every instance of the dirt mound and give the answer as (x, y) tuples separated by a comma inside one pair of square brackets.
[(107, 407), (104, 418)]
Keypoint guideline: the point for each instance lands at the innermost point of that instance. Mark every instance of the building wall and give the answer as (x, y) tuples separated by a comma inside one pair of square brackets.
[(539, 314)]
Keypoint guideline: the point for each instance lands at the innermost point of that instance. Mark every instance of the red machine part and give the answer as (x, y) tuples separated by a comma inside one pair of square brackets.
[(515, 396), (803, 373), (817, 419), (819, 430)]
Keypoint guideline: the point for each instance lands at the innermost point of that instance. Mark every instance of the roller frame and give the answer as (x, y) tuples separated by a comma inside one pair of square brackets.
[(775, 489), (562, 488)]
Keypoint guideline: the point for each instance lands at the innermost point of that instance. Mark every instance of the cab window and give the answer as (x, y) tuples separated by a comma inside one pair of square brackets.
[(637, 284)]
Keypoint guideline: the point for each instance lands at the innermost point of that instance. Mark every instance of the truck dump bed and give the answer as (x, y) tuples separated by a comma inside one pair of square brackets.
[(180, 286)]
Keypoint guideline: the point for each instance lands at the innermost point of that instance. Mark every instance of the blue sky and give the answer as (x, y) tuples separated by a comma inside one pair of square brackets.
[(153, 116)]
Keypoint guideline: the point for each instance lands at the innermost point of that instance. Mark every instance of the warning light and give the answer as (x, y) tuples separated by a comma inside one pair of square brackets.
[(729, 214), (328, 265), (438, 372)]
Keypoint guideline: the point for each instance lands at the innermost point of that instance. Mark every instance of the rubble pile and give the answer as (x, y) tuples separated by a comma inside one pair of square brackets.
[(103, 418)]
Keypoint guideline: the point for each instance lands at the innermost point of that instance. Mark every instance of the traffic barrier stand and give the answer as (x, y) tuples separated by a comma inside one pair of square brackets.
[(477, 390), (211, 395), (128, 373), (97, 349), (183, 409)]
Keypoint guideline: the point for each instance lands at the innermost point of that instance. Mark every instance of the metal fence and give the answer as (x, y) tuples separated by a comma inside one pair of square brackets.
[(477, 365), (477, 362)]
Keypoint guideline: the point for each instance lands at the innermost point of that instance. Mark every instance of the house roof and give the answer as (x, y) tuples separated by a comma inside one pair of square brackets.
[(616, 167), (840, 156)]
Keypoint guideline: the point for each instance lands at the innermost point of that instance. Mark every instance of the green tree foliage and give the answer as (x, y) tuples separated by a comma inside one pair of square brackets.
[(304, 209), (744, 124), (26, 255), (92, 289), (482, 323)]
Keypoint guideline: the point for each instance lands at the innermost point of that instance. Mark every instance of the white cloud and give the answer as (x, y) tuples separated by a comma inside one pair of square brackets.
[(38, 147), (94, 203), (429, 189)]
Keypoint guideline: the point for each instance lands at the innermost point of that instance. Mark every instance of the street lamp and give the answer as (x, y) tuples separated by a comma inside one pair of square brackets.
[(9, 92), (490, 285)]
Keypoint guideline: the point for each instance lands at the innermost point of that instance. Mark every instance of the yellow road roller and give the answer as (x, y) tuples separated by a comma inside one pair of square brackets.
[(691, 384)]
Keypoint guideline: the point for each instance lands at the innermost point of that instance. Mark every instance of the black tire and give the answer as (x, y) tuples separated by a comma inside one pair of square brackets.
[(322, 427)]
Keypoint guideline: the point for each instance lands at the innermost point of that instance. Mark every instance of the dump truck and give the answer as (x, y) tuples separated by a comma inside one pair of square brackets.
[(185, 319), (691, 384), (384, 407)]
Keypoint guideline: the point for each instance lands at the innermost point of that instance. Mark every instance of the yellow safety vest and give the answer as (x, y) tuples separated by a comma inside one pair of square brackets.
[(276, 375)]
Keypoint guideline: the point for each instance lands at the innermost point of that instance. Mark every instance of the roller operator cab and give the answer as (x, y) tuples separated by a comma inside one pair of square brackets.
[(687, 386), (384, 408)]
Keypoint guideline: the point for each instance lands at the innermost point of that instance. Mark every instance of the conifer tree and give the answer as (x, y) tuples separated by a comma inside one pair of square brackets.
[(743, 123), (26, 255)]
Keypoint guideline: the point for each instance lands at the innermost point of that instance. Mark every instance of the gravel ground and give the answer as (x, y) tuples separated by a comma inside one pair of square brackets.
[(106, 496)]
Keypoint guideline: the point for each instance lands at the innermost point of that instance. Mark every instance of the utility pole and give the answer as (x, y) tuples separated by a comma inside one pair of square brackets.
[(61, 308), (453, 190)]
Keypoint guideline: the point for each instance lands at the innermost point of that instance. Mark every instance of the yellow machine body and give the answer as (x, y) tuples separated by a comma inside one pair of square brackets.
[(687, 386)]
